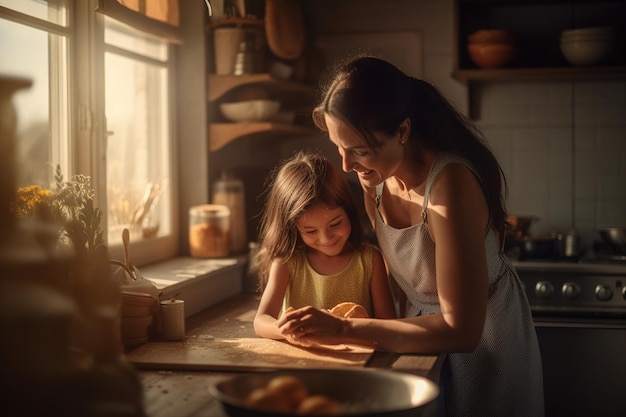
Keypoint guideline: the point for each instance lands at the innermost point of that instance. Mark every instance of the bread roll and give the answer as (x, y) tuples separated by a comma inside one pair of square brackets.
[(348, 309), (287, 394), (318, 405), (289, 389)]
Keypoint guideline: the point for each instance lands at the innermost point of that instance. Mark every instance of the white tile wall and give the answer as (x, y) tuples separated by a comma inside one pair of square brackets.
[(563, 148)]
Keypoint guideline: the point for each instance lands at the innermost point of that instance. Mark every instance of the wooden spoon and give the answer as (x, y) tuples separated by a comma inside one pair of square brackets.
[(126, 242)]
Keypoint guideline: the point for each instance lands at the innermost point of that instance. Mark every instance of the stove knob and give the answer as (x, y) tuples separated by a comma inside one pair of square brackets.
[(544, 289), (571, 290), (603, 292)]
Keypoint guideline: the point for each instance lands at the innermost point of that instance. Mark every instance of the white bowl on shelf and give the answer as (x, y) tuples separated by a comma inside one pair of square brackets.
[(250, 110), (587, 46), (588, 32)]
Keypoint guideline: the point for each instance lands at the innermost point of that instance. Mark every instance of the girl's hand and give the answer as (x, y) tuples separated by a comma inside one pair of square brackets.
[(309, 326)]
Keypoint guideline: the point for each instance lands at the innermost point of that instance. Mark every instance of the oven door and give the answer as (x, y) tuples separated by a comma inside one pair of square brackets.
[(584, 365)]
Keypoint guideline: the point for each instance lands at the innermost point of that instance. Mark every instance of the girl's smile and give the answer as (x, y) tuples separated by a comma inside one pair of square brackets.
[(324, 229)]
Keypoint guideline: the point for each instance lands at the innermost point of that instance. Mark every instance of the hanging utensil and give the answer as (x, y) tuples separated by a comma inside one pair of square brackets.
[(285, 28)]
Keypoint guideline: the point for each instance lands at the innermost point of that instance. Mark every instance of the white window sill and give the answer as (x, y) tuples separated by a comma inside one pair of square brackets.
[(201, 283)]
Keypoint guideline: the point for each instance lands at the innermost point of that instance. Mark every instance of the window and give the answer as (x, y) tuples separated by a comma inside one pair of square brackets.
[(43, 112), (100, 105), (138, 132)]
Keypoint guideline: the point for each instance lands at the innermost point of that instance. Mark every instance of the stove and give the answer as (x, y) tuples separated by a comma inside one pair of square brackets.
[(579, 311), (593, 288), (590, 285)]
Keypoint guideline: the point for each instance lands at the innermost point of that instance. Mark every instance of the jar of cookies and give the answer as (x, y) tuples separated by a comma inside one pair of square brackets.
[(209, 231)]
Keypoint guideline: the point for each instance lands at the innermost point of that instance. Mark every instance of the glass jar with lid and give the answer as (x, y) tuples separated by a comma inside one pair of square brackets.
[(209, 231)]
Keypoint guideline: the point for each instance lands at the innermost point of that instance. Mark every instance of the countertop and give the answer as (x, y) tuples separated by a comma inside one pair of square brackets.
[(181, 391)]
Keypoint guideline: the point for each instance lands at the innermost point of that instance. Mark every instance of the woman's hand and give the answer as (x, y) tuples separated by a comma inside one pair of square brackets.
[(309, 326)]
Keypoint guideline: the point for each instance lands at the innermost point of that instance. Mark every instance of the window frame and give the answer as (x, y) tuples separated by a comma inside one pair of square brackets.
[(160, 247), (154, 249), (84, 151)]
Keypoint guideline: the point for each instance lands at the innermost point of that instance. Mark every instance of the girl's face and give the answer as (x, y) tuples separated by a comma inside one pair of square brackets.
[(372, 168), (324, 229)]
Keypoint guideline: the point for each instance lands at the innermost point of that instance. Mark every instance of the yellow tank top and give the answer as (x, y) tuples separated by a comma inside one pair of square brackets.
[(307, 287)]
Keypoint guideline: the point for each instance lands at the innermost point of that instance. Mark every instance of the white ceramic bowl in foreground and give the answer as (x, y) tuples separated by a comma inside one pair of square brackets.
[(250, 110)]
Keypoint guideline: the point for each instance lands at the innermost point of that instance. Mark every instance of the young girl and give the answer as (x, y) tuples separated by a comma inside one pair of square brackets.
[(311, 249)]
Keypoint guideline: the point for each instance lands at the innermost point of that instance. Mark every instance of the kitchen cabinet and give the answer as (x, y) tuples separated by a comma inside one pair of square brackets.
[(538, 25), (293, 95)]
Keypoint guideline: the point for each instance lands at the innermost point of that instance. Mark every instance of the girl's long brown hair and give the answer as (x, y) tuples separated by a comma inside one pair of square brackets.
[(306, 178)]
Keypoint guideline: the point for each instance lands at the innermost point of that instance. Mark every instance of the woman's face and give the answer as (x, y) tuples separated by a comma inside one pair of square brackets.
[(324, 229), (372, 168)]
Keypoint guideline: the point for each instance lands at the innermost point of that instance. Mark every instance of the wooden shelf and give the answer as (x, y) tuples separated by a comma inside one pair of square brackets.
[(221, 134), (219, 85), (541, 74), (236, 22), (537, 26)]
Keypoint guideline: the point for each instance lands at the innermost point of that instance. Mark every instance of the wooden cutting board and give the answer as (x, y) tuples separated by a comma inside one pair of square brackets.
[(208, 353)]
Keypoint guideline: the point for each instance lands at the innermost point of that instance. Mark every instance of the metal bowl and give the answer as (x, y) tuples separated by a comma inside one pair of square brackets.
[(615, 236), (359, 392)]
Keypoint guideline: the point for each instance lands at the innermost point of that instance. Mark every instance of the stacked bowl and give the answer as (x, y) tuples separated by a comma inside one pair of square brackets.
[(136, 317), (587, 46), (492, 48)]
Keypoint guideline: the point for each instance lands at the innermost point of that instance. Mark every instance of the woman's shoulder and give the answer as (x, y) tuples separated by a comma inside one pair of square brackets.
[(455, 178), (449, 167), (451, 162)]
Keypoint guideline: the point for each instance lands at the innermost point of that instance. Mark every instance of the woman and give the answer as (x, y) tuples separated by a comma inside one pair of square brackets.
[(312, 250), (434, 193)]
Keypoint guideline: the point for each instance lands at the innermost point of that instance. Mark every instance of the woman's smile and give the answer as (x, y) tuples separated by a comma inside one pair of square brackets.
[(364, 175)]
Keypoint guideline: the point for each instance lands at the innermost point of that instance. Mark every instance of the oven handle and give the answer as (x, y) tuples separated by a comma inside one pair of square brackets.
[(581, 324)]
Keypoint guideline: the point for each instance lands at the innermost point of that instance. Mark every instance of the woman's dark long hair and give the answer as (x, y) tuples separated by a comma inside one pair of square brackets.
[(373, 96)]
